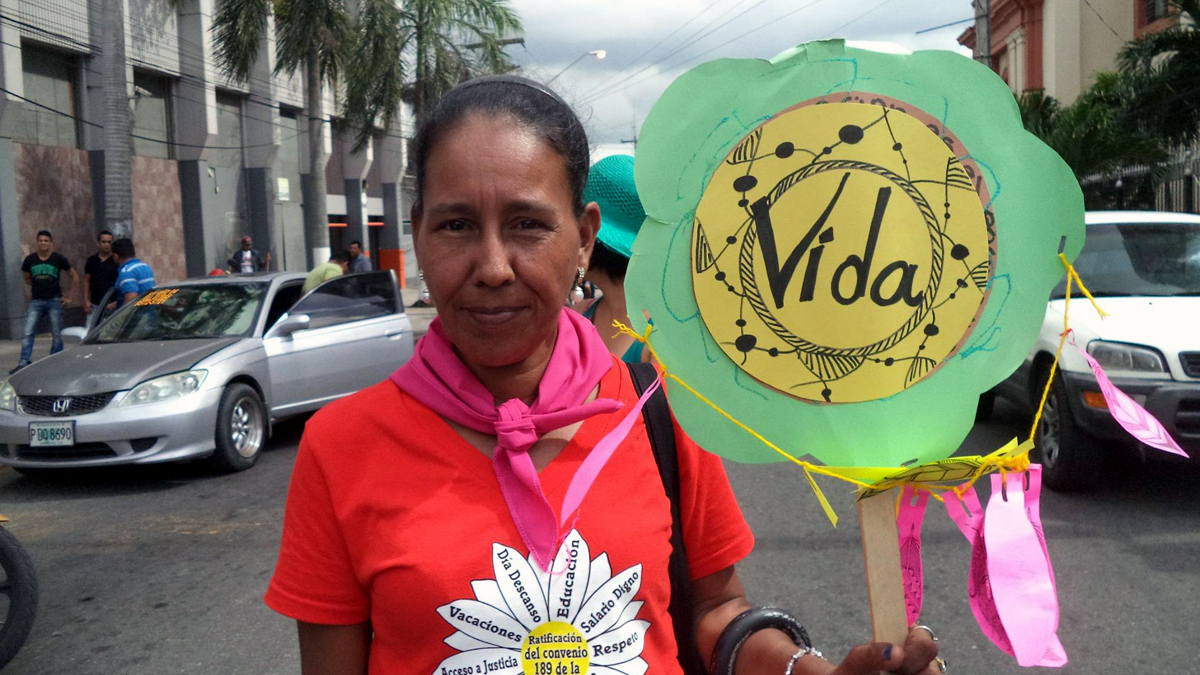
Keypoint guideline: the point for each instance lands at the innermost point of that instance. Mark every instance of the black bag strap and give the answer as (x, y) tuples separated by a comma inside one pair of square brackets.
[(661, 432)]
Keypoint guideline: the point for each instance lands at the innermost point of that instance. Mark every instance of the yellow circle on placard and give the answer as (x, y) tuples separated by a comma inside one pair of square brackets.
[(555, 648), (843, 251)]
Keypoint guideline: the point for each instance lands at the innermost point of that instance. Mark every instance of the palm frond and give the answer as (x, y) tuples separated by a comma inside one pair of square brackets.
[(304, 25), (375, 71), (238, 29)]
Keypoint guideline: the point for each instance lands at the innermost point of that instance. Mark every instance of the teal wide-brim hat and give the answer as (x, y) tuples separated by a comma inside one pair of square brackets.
[(610, 184)]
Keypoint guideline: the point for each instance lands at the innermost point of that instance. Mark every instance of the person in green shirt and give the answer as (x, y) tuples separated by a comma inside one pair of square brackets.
[(336, 267)]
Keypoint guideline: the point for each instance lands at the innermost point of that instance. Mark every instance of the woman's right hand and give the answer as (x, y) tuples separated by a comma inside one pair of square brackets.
[(916, 657)]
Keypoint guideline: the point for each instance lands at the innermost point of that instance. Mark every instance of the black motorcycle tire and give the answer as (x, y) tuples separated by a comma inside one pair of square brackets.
[(19, 583)]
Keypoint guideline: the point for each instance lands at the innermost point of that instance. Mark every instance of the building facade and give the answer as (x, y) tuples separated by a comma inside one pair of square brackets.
[(1059, 45), (214, 159)]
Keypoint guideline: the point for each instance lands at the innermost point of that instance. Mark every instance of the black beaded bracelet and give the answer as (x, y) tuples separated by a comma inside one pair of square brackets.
[(746, 624)]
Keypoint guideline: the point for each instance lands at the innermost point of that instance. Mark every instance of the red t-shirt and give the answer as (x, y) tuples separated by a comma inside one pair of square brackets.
[(393, 517)]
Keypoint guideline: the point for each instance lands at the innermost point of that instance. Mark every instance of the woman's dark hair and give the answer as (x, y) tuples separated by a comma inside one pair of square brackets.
[(609, 262), (525, 101)]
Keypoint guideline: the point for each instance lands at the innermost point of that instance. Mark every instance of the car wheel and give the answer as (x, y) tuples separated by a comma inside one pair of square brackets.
[(241, 428), (18, 596), (987, 403), (1071, 458)]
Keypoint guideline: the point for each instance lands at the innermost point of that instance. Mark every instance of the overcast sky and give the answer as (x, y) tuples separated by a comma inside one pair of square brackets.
[(613, 104)]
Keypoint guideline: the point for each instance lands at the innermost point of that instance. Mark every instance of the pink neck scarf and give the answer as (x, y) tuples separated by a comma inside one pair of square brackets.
[(437, 378)]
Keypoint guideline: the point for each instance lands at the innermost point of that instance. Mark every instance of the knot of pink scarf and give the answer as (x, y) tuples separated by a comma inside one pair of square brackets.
[(437, 378)]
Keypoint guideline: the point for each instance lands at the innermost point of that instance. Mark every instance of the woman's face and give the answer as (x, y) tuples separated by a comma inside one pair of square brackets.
[(498, 239)]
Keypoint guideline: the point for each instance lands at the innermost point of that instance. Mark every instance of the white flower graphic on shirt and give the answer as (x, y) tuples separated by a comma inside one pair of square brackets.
[(577, 619)]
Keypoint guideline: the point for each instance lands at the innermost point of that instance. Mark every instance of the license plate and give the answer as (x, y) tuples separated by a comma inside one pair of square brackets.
[(51, 434)]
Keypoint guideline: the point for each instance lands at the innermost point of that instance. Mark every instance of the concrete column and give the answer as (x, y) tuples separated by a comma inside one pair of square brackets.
[(195, 112), (12, 302), (316, 256), (261, 136), (355, 165), (393, 243), (12, 78)]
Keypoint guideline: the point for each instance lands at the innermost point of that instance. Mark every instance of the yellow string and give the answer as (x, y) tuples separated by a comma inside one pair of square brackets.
[(988, 464), (1073, 279), (1012, 457)]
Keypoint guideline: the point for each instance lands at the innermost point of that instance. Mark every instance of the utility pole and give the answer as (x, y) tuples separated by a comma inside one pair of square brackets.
[(983, 31), (118, 143)]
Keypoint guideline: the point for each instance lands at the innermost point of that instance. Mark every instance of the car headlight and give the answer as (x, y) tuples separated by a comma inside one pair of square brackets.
[(1120, 357), (8, 396), (166, 388)]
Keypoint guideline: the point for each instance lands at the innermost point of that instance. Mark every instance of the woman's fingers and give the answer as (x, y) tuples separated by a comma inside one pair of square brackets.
[(920, 650), (870, 659)]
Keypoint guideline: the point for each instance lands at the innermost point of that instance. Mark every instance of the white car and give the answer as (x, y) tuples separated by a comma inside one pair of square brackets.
[(1144, 270)]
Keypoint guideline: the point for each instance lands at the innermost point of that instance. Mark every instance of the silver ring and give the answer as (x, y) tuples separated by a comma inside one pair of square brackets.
[(927, 629), (941, 663)]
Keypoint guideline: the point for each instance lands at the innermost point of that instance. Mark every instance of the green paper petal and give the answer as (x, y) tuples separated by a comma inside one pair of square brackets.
[(698, 121)]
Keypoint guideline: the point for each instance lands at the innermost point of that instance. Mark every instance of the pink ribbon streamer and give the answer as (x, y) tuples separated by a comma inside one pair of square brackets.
[(1011, 583), (908, 523), (1130, 414)]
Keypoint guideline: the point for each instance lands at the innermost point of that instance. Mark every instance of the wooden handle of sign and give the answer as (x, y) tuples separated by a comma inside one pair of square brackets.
[(885, 582)]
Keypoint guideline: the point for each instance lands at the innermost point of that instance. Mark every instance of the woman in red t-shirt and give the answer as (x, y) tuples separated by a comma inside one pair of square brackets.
[(495, 506)]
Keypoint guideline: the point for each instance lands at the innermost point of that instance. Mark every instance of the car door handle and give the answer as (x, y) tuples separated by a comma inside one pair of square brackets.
[(394, 333)]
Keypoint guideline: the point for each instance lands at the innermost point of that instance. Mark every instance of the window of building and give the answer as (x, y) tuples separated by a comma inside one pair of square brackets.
[(152, 124), (51, 81), (1157, 9), (228, 152)]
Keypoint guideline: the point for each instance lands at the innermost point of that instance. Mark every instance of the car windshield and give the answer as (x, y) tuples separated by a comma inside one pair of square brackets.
[(1154, 259), (186, 312)]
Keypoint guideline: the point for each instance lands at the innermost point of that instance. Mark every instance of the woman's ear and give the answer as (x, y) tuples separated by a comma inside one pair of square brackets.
[(589, 227)]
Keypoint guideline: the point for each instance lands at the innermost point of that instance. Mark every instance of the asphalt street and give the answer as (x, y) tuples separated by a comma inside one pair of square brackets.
[(156, 571)]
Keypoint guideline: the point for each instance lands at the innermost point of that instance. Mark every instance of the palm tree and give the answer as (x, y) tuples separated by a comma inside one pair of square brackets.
[(450, 41), (1166, 65), (118, 145), (317, 36), (1087, 134), (365, 53)]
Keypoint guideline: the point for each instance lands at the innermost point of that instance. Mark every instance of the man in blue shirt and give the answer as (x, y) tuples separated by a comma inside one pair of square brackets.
[(134, 276)]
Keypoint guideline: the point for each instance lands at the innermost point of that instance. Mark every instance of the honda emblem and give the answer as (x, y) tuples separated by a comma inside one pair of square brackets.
[(61, 405)]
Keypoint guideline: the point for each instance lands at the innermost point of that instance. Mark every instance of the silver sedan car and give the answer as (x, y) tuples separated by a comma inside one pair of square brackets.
[(202, 368)]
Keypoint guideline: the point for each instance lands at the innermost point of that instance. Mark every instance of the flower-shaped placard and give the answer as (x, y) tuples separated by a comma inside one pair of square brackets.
[(844, 248)]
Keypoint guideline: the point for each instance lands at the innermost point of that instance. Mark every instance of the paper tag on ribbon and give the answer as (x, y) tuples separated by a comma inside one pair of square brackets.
[(967, 514), (1018, 564), (909, 518), (1130, 414)]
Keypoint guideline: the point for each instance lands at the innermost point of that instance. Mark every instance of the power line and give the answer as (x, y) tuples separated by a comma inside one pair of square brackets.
[(946, 25), (248, 97), (637, 59), (856, 19), (688, 42), (1101, 17), (139, 137), (707, 51)]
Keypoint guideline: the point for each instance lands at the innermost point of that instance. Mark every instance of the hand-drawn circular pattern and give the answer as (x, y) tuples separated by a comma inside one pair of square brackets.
[(896, 144)]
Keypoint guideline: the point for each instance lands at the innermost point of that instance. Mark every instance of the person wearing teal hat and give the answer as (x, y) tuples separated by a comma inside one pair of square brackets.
[(610, 184)]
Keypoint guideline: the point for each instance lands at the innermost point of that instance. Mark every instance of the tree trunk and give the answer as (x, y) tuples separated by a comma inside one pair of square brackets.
[(118, 144), (419, 107), (316, 215)]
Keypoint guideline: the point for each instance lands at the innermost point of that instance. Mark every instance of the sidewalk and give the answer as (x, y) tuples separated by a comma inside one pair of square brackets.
[(10, 350)]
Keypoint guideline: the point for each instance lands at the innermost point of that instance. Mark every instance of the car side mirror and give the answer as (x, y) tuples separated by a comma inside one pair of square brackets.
[(74, 334), (292, 324)]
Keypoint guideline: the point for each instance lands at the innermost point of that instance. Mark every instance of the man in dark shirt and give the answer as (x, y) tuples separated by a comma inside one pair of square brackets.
[(43, 274), (99, 272), (247, 259), (359, 262)]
